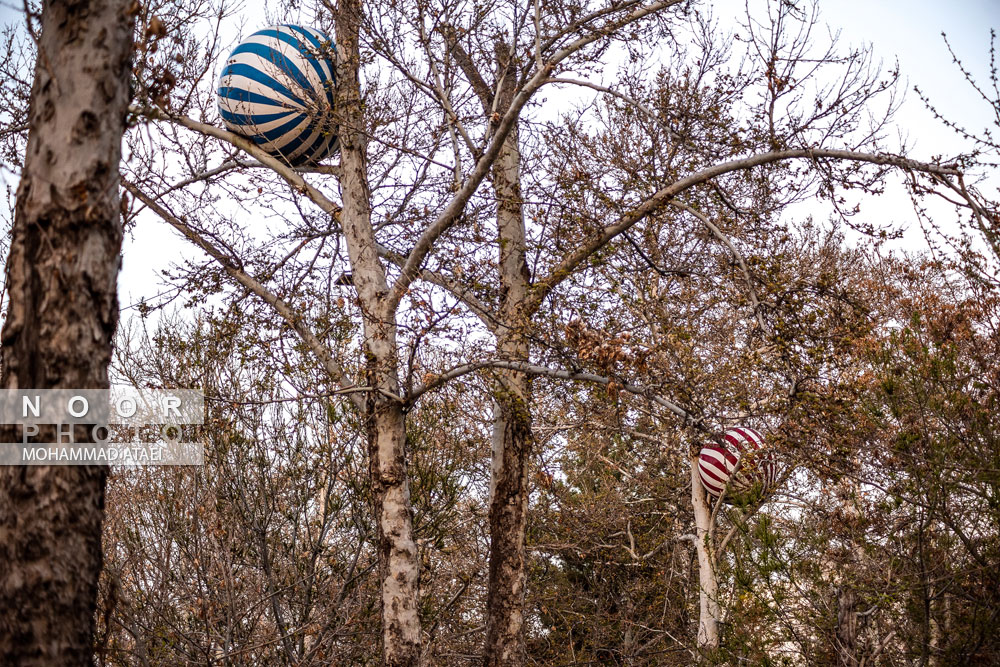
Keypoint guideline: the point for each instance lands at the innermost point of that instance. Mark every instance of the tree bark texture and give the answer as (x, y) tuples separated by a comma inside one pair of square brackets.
[(847, 627), (384, 419), (63, 309), (512, 436), (708, 583)]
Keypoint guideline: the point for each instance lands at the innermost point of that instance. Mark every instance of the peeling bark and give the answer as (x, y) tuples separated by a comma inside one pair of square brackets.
[(397, 550), (61, 280)]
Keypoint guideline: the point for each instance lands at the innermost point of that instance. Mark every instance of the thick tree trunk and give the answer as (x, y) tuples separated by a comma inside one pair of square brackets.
[(847, 627), (939, 630), (397, 550), (512, 437), (508, 519), (708, 583), (63, 310), (398, 559)]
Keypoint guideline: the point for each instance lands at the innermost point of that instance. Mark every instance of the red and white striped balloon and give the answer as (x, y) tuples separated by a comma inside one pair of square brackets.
[(716, 464)]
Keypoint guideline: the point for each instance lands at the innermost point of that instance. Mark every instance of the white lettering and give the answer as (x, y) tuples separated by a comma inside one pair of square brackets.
[(26, 405), (165, 433), (121, 409), (94, 433), (172, 403), (78, 399), (28, 431)]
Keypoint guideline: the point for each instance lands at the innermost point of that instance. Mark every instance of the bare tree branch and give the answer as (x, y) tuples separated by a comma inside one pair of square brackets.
[(737, 255), (442, 94), (455, 207), (569, 264), (332, 367), (460, 292), (614, 93), (287, 172), (559, 374), (468, 67)]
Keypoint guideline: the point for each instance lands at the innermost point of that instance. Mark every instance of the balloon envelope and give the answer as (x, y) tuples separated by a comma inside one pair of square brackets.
[(742, 462), (277, 89)]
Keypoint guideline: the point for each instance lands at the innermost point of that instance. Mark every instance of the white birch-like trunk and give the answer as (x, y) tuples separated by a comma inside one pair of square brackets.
[(708, 584), (399, 565)]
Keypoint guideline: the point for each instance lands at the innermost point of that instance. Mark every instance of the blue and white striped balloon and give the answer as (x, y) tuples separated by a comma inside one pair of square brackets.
[(277, 89)]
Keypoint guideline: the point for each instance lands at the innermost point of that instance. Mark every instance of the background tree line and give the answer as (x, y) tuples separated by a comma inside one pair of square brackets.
[(456, 382)]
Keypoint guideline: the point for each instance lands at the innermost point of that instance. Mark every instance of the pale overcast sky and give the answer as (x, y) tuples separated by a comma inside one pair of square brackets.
[(910, 30), (907, 30)]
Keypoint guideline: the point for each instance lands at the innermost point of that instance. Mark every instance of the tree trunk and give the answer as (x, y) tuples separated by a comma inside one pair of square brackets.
[(63, 310), (512, 441), (847, 627), (708, 583), (512, 437), (399, 565), (940, 627), (398, 558)]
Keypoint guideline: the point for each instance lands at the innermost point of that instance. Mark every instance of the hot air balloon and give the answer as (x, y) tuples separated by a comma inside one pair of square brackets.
[(277, 89), (742, 461)]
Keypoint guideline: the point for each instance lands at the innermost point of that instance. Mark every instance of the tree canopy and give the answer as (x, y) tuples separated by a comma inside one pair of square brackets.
[(458, 375)]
